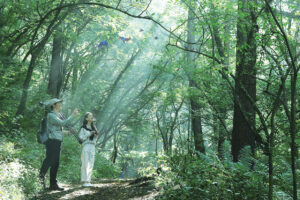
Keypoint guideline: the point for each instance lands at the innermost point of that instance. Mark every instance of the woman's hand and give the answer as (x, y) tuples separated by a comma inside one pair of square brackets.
[(93, 132)]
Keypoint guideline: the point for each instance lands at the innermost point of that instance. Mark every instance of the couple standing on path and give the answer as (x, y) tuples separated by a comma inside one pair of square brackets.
[(88, 134)]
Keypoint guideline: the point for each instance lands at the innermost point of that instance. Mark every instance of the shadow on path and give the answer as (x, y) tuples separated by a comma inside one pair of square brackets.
[(104, 189)]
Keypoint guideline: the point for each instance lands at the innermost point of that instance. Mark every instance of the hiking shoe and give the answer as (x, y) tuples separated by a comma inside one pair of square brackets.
[(56, 187), (87, 185)]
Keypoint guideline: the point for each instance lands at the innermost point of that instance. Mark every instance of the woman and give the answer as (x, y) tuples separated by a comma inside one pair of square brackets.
[(88, 134), (53, 145)]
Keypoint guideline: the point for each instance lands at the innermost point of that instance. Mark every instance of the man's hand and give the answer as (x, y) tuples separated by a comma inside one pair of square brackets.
[(67, 132), (75, 113)]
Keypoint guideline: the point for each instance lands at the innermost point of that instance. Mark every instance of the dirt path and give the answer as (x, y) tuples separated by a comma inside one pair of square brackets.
[(104, 190)]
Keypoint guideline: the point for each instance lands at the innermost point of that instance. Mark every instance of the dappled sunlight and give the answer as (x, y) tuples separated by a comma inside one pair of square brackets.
[(149, 40), (106, 189), (191, 99), (78, 192)]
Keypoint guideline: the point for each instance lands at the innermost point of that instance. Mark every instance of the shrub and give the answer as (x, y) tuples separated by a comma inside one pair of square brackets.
[(206, 177), (18, 180)]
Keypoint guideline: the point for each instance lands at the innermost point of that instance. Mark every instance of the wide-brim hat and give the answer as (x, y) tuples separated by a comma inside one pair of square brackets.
[(51, 102)]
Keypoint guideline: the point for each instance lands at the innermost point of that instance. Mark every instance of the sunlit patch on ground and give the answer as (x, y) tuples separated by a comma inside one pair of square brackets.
[(110, 189), (77, 193)]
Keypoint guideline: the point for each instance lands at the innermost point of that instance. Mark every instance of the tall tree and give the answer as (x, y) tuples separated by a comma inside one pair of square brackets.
[(35, 51), (245, 82), (223, 52), (293, 70), (167, 126), (195, 106)]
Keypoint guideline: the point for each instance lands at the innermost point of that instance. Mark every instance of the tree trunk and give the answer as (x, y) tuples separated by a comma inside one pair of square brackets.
[(270, 156), (197, 126), (223, 51), (56, 70), (189, 139), (161, 125), (195, 107), (74, 79), (245, 82), (22, 105), (292, 114), (172, 127), (156, 145), (115, 151), (221, 135), (2, 23), (293, 132)]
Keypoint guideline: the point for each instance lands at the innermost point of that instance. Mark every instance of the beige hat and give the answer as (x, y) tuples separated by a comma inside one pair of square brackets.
[(52, 102)]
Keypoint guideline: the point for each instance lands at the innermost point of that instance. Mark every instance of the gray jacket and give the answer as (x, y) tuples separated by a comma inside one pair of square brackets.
[(55, 124)]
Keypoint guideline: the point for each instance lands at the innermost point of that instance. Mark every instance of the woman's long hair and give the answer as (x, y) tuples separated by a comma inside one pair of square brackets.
[(92, 125), (85, 122)]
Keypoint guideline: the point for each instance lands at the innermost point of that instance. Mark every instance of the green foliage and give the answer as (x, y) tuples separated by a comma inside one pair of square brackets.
[(70, 164), (9, 187), (104, 168), (89, 74), (21, 158), (206, 177), (18, 179)]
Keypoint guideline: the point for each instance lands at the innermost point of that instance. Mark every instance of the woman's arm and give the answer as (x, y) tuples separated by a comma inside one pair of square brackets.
[(84, 134), (54, 119)]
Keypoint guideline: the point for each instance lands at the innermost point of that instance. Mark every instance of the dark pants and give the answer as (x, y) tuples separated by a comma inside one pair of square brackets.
[(51, 160)]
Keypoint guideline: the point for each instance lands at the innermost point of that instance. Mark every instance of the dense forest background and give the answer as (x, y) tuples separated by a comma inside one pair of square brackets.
[(205, 90)]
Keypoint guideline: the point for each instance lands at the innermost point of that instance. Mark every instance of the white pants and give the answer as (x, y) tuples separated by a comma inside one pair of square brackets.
[(87, 162)]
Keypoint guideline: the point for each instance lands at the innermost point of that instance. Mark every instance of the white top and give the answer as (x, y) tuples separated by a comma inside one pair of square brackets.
[(85, 134)]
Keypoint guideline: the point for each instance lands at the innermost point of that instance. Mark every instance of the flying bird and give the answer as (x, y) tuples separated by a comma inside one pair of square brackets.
[(125, 39), (103, 43)]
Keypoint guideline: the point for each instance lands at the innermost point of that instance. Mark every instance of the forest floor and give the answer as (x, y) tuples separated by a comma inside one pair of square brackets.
[(104, 189)]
